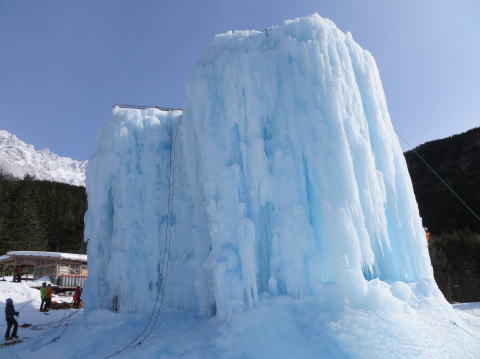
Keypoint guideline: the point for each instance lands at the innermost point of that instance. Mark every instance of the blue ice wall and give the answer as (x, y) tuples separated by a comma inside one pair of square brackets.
[(128, 185), (289, 177), (304, 179)]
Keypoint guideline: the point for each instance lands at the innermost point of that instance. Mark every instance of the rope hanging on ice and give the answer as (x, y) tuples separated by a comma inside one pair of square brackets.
[(166, 252), (466, 331)]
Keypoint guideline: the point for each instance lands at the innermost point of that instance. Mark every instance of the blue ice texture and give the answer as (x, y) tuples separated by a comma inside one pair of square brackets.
[(288, 181)]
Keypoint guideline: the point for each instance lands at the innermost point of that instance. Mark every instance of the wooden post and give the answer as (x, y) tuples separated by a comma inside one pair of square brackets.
[(14, 268), (35, 268), (56, 272)]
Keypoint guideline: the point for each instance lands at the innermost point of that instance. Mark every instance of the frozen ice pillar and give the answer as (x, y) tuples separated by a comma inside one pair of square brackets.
[(289, 179), (303, 178)]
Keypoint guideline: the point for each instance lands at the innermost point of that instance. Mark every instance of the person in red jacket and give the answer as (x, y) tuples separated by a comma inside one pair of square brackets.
[(77, 301)]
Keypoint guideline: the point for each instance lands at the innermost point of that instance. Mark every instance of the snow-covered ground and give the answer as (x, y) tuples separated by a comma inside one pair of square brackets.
[(281, 327), (41, 327)]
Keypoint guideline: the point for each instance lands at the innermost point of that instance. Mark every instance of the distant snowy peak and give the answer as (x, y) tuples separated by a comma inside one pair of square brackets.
[(18, 159)]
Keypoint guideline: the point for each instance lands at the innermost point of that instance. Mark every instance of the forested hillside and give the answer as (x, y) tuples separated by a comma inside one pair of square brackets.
[(455, 242), (41, 215), (457, 160)]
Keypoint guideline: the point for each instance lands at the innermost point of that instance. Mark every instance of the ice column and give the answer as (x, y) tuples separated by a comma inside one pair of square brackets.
[(304, 180), (289, 177)]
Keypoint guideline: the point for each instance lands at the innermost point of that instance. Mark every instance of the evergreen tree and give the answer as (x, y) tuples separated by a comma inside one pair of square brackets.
[(41, 215), (455, 259)]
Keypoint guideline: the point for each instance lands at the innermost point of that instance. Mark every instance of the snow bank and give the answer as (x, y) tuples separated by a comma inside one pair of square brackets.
[(37, 283), (21, 294), (281, 328), (278, 327)]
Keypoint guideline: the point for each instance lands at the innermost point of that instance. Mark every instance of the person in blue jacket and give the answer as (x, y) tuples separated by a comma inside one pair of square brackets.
[(10, 314)]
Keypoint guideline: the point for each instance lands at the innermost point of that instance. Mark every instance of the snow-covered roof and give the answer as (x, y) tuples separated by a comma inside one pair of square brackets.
[(4, 258), (72, 256)]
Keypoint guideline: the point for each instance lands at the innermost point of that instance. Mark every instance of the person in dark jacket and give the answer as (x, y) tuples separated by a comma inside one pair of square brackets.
[(10, 314)]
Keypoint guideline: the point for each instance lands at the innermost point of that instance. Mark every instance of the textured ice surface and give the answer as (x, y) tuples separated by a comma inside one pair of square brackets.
[(289, 181)]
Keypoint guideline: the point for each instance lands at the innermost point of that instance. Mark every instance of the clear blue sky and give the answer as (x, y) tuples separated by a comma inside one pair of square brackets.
[(63, 64)]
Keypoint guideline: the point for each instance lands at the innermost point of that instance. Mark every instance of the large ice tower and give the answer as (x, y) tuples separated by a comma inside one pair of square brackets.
[(288, 180)]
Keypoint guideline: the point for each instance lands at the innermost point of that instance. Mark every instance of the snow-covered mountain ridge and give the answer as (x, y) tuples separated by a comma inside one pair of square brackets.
[(18, 159)]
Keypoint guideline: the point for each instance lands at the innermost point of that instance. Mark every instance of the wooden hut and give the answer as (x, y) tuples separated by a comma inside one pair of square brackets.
[(67, 270), (6, 265)]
